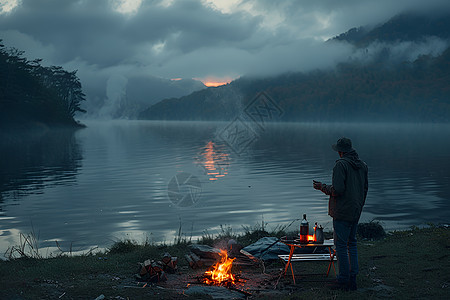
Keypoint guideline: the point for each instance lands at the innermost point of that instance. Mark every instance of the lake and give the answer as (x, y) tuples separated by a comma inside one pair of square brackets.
[(154, 180)]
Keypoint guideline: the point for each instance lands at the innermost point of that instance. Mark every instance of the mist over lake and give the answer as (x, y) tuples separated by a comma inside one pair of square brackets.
[(129, 179)]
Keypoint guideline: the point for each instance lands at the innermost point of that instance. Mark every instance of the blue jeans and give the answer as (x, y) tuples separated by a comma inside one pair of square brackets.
[(347, 253)]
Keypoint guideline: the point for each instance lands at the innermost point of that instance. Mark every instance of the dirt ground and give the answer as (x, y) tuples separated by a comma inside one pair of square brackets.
[(411, 264)]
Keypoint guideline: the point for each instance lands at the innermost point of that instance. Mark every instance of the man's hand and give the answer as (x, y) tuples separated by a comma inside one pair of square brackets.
[(317, 185)]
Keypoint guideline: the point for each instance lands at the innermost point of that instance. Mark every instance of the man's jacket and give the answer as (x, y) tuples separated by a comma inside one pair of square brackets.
[(349, 188)]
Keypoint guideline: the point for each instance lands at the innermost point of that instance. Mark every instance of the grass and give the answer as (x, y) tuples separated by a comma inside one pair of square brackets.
[(410, 264), (371, 230), (250, 234), (28, 247), (414, 263)]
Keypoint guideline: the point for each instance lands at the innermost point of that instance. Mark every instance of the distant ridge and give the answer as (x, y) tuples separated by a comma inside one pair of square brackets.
[(403, 27), (373, 90)]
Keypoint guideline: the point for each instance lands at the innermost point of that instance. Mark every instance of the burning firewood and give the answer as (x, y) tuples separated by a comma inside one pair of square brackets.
[(220, 273)]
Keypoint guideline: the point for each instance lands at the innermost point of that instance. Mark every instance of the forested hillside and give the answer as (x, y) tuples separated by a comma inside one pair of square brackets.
[(418, 91), (371, 87), (31, 93), (403, 27)]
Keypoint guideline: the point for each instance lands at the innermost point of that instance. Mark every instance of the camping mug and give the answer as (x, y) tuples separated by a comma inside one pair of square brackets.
[(319, 235)]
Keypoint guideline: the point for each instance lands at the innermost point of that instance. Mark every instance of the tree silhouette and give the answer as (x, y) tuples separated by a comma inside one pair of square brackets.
[(30, 92)]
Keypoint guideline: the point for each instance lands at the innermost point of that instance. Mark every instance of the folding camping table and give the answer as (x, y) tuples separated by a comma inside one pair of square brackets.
[(292, 244)]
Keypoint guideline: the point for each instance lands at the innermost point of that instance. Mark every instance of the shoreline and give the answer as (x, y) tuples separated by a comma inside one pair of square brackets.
[(50, 251), (404, 264)]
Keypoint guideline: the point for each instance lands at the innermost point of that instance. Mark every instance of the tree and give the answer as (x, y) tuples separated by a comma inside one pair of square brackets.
[(31, 92)]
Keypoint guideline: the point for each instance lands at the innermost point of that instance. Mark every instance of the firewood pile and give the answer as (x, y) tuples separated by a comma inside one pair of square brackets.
[(155, 271)]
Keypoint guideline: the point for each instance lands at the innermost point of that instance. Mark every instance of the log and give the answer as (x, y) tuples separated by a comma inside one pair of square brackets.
[(169, 263), (167, 258), (147, 262), (205, 251), (190, 261), (206, 262), (196, 260)]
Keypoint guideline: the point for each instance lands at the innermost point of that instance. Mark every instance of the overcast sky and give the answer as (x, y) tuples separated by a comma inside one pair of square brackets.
[(210, 40)]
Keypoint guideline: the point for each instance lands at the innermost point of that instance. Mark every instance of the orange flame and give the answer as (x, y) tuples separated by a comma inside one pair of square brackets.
[(311, 238), (221, 271)]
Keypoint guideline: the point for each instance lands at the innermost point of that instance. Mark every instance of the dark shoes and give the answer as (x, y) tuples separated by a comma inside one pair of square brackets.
[(342, 286)]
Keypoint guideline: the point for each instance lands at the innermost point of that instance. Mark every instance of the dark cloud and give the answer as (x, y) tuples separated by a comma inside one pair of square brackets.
[(190, 38), (328, 18), (75, 28), (188, 25), (97, 34), (94, 32)]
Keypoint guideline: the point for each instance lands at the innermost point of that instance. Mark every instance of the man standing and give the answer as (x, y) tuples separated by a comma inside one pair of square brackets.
[(347, 193)]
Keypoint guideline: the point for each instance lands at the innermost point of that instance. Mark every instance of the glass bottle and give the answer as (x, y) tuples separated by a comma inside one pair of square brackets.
[(304, 230)]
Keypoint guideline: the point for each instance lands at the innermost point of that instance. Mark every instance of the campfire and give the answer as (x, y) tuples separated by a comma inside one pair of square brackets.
[(220, 273)]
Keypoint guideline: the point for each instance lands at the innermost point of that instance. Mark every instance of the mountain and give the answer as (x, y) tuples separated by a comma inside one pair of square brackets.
[(214, 103), (127, 97), (377, 84), (403, 27)]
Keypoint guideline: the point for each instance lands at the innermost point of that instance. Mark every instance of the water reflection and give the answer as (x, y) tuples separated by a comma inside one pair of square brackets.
[(33, 160), (111, 180), (214, 160)]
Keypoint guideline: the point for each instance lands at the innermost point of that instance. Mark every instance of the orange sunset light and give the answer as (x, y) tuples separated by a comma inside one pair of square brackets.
[(209, 81), (212, 81)]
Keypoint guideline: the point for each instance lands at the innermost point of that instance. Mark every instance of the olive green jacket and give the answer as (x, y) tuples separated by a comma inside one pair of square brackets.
[(349, 188)]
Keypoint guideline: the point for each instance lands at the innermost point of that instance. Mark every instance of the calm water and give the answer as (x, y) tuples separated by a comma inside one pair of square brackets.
[(142, 179)]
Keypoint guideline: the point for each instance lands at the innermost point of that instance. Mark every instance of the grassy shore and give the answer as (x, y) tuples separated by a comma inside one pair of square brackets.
[(410, 264)]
